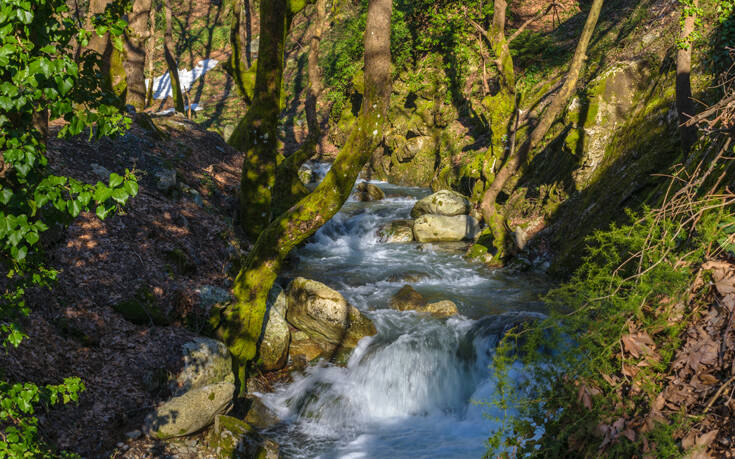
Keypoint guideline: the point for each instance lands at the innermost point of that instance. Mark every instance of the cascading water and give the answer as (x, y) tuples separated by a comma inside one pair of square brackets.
[(411, 390)]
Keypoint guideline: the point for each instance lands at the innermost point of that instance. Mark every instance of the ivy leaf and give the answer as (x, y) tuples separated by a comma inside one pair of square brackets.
[(120, 195), (115, 180)]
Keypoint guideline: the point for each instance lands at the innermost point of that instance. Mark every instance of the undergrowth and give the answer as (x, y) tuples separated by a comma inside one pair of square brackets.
[(600, 359)]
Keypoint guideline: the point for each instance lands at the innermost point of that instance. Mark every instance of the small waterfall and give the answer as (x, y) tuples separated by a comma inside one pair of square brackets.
[(409, 391)]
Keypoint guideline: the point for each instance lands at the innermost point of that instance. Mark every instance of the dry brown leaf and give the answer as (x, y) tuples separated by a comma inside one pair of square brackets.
[(638, 344)]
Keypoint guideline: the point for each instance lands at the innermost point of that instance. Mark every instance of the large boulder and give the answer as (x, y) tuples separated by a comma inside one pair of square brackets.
[(190, 412), (274, 346), (397, 231), (443, 228), (205, 361), (367, 192), (233, 438), (445, 308), (324, 314), (443, 202)]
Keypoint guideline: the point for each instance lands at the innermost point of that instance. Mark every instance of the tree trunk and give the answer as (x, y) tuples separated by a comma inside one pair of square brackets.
[(113, 72), (173, 68), (150, 54), (135, 38), (314, 89), (240, 324), (684, 102), (96, 42), (240, 61), (558, 103)]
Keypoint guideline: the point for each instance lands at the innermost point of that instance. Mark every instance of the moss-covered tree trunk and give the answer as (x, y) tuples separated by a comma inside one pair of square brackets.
[(240, 324), (560, 100), (314, 89), (684, 101), (240, 60), (135, 38), (150, 50), (114, 78), (169, 54)]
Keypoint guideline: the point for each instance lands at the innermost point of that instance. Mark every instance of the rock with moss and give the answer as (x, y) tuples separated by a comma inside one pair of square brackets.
[(259, 415), (190, 412), (273, 351), (205, 362), (442, 228), (232, 438), (324, 314), (368, 192), (445, 308), (306, 175), (443, 202), (407, 299), (396, 231)]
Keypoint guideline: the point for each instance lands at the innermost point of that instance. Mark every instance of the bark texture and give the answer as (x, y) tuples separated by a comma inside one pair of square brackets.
[(314, 89), (684, 103), (150, 49), (135, 40), (240, 324), (513, 162), (113, 72), (240, 60), (169, 54)]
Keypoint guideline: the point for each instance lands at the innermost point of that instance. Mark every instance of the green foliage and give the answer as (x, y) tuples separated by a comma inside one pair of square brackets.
[(39, 80), (630, 279)]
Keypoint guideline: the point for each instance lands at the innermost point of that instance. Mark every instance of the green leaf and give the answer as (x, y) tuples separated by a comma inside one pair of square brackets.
[(31, 237), (131, 186), (120, 195), (115, 180), (74, 207)]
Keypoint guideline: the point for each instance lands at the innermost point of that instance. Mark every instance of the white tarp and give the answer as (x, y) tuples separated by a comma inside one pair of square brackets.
[(168, 111), (162, 84)]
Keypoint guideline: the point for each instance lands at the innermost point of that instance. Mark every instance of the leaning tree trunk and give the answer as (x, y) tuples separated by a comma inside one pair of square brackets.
[(684, 102), (173, 68), (256, 134), (135, 39), (150, 54), (488, 207), (240, 324)]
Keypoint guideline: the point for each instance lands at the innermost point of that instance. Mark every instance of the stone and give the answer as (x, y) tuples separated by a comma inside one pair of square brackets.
[(367, 192), (100, 171), (134, 434), (520, 237), (442, 228), (445, 308), (303, 349), (165, 179), (443, 202), (407, 299), (360, 327), (190, 412), (259, 415), (306, 175), (205, 361), (321, 312), (273, 351), (277, 299), (398, 231), (211, 295), (233, 438)]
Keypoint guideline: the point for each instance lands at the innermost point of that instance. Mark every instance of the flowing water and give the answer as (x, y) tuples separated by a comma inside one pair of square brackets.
[(412, 390)]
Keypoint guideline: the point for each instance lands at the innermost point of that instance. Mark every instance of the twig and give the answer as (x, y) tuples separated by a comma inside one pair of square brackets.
[(717, 394)]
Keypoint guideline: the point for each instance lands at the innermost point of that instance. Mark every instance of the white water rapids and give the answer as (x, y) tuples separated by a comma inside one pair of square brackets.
[(411, 390)]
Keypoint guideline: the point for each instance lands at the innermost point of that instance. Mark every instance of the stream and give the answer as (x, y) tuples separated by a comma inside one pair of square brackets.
[(411, 391)]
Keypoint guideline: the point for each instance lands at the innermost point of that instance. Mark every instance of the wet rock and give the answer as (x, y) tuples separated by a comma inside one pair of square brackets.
[(190, 412), (407, 299), (324, 315), (260, 416), (444, 308), (397, 231), (206, 361), (442, 228), (165, 179), (367, 192), (443, 202), (303, 349), (449, 248), (408, 276)]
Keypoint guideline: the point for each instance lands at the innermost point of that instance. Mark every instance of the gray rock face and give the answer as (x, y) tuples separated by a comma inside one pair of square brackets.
[(324, 315), (443, 202), (397, 232), (442, 228), (210, 295), (367, 192), (206, 362), (189, 412)]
